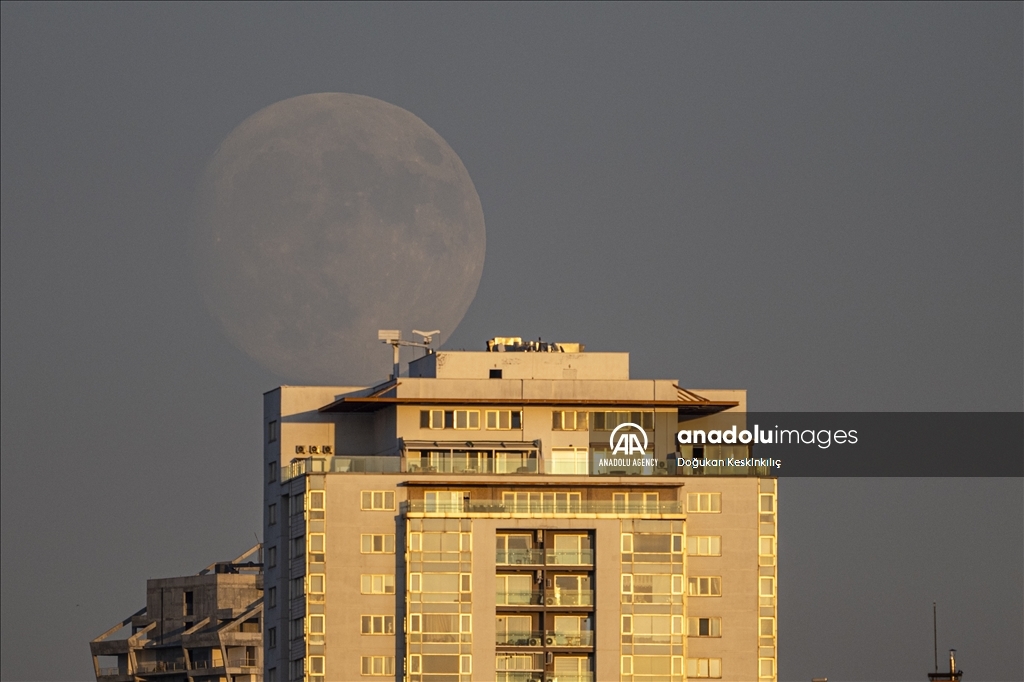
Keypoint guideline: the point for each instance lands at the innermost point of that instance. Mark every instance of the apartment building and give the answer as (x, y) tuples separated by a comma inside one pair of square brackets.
[(198, 628), (518, 514)]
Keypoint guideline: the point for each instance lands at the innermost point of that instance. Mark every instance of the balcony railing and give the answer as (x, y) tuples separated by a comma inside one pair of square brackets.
[(161, 667), (519, 598), (557, 597), (575, 677), (242, 662), (342, 465), (520, 676), (581, 638), (519, 557), (569, 557), (535, 638), (537, 507), (595, 462), (550, 638)]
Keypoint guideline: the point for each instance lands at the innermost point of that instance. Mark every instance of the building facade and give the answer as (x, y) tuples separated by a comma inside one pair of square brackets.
[(520, 514), (198, 628)]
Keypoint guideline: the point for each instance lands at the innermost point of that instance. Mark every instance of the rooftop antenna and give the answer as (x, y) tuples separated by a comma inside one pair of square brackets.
[(394, 337), (935, 635)]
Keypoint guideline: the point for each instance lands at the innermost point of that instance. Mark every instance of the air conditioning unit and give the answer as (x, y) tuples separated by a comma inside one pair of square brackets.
[(550, 601), (534, 641), (550, 641)]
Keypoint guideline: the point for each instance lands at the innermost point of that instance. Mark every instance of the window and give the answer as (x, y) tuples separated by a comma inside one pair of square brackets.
[(766, 667), (271, 597), (494, 373), (298, 546), (378, 666), (378, 625), (503, 420), (626, 666), (627, 584), (317, 583), (531, 502), (766, 545), (444, 500), (515, 589), (569, 420), (635, 502), (568, 461), (697, 626), (317, 499), (767, 503), (466, 663), (704, 503), (271, 557), (766, 627), (317, 542), (296, 587), (377, 500), (704, 667), (704, 586), (297, 628), (704, 545), (272, 471), (607, 421), (766, 590), (677, 544), (271, 638), (649, 629), (377, 543), (272, 515), (467, 419), (272, 675), (272, 431), (626, 543), (316, 665), (377, 583), (415, 663), (431, 419)]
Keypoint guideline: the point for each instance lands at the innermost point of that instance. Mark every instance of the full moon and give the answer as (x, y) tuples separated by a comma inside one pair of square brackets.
[(326, 217)]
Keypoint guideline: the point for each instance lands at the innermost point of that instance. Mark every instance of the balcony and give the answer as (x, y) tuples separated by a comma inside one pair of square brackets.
[(569, 557), (576, 639), (558, 597), (519, 557), (481, 460), (537, 508), (519, 598), (154, 667), (535, 638), (341, 465)]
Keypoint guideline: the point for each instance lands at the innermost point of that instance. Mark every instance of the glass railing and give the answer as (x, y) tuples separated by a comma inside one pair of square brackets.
[(471, 462), (595, 462), (516, 557), (518, 598), (569, 557), (161, 667), (519, 676), (581, 638), (342, 465), (557, 597), (535, 638), (532, 507)]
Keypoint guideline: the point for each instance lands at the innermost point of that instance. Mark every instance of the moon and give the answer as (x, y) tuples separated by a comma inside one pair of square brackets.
[(325, 217)]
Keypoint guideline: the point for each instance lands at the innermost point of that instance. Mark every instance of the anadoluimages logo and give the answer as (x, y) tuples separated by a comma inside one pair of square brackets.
[(628, 442)]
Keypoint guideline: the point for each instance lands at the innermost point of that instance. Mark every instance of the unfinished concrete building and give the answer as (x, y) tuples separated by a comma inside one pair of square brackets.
[(205, 627)]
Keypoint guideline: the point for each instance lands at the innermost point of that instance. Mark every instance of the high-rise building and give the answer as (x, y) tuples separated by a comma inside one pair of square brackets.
[(524, 513)]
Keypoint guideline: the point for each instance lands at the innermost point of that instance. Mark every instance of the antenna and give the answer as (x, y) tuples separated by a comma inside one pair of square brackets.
[(427, 337), (394, 337), (935, 635)]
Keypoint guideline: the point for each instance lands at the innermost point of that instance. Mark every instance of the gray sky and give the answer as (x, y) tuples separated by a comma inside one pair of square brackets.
[(819, 203)]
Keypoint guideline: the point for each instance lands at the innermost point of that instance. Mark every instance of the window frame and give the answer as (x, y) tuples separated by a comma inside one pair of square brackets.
[(368, 501)]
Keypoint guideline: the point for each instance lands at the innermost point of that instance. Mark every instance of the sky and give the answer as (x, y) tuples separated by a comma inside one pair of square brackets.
[(820, 203)]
